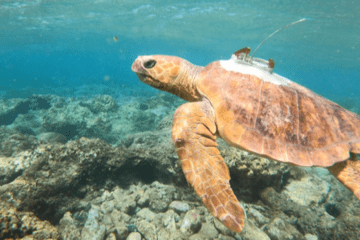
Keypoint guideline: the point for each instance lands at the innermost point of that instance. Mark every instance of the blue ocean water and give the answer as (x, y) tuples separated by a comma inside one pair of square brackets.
[(71, 43), (65, 73)]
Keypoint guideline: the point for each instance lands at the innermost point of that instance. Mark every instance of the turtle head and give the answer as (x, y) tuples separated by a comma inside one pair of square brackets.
[(157, 71), (168, 73)]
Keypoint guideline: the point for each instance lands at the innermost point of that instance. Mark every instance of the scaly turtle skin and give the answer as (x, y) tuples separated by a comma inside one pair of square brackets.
[(255, 110)]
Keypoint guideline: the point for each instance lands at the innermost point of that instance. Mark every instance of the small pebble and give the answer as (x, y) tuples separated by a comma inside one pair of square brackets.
[(107, 207), (179, 207), (169, 220), (310, 237), (134, 236), (146, 214), (111, 236), (191, 223), (143, 200), (223, 237)]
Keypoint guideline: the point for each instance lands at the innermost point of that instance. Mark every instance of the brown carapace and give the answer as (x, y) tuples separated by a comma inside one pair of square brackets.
[(254, 109)]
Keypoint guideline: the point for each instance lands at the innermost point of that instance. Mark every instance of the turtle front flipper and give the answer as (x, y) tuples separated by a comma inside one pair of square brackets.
[(348, 172), (194, 136)]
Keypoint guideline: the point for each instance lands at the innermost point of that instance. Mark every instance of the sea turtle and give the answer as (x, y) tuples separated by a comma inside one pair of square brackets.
[(251, 108)]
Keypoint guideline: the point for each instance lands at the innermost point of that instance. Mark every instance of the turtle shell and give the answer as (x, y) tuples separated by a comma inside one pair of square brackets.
[(270, 115)]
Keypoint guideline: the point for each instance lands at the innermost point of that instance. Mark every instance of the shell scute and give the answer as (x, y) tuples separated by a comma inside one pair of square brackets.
[(316, 127), (320, 157), (232, 131), (298, 155), (278, 113), (224, 114), (348, 122), (355, 147), (209, 82), (275, 150), (252, 141), (339, 151), (244, 99), (285, 121)]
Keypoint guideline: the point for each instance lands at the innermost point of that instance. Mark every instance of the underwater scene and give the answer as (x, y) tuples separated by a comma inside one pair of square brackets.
[(117, 123)]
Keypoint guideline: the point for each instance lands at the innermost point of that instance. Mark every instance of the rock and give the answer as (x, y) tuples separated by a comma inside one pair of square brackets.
[(344, 229), (170, 219), (144, 121), (24, 130), (134, 236), (107, 207), (309, 219), (58, 170), (310, 237), (252, 171), (147, 229), (144, 200), (81, 216), (307, 191), (166, 234), (68, 228), (165, 123), (256, 215), (74, 118), (118, 224), (106, 221), (251, 231), (23, 107), (17, 143), (125, 203), (51, 138), (63, 127), (191, 223), (163, 234), (179, 207), (103, 103), (207, 231), (99, 128), (16, 223), (121, 231), (146, 214), (111, 236), (279, 230), (93, 229), (223, 237), (221, 227), (11, 167), (160, 196), (106, 196)]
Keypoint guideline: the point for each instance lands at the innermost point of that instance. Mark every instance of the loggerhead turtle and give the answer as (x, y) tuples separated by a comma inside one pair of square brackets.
[(251, 108)]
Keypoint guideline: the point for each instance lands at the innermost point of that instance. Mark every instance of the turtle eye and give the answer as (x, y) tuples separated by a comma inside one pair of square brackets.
[(149, 64)]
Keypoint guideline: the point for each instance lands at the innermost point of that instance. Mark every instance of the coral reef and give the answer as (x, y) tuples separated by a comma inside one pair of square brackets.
[(99, 117), (65, 173), (87, 187), (17, 224), (103, 103), (23, 107)]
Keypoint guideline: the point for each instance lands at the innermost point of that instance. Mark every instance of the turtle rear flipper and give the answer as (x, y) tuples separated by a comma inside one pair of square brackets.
[(348, 172), (205, 170)]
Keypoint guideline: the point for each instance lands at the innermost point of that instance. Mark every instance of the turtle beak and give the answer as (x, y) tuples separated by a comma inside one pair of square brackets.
[(140, 71), (137, 66), (142, 77)]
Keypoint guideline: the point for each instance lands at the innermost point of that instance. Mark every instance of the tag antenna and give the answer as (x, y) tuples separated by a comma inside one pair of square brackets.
[(298, 21)]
